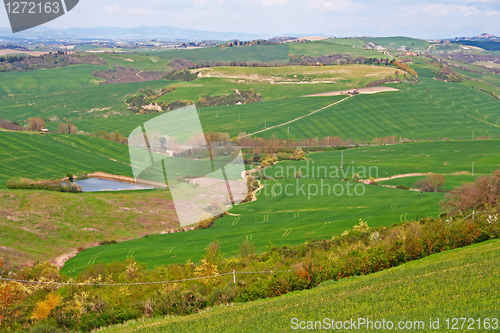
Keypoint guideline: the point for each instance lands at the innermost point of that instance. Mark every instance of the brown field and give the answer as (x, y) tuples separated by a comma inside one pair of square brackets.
[(31, 53)]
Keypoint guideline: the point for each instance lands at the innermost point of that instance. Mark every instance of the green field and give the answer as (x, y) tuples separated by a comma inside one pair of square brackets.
[(51, 156), (461, 283), (82, 103), (452, 181), (276, 217), (139, 61), (420, 157), (256, 53), (41, 225), (48, 80), (413, 44), (431, 109), (354, 47)]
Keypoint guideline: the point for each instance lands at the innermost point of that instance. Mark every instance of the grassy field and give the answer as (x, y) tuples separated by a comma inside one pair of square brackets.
[(420, 157), (282, 219), (228, 116), (275, 83), (78, 103), (257, 53), (413, 44), (430, 109), (144, 62), (51, 156), (41, 225), (334, 46), (452, 181), (461, 283), (49, 80)]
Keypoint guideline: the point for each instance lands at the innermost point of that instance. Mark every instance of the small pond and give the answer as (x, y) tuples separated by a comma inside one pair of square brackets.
[(98, 184)]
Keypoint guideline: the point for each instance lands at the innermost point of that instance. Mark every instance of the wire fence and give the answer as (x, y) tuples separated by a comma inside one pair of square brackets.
[(233, 273)]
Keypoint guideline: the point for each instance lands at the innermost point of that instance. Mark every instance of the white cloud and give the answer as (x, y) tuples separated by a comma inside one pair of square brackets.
[(203, 3), (332, 5), (440, 10)]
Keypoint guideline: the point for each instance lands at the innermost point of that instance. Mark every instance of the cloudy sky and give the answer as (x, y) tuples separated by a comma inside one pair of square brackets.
[(423, 19)]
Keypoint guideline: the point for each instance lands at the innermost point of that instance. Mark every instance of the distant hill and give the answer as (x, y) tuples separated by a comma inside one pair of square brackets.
[(137, 33)]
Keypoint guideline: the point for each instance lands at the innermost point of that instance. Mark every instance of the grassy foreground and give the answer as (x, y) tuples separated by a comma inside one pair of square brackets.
[(50, 156), (461, 283), (282, 219), (40, 225)]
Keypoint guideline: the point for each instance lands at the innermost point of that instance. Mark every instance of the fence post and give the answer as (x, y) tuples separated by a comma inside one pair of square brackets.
[(234, 276)]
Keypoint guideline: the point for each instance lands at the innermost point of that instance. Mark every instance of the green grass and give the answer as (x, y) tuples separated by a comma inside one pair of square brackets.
[(334, 46), (257, 53), (78, 103), (51, 156), (431, 109), (140, 61), (251, 116), (40, 225), (419, 157), (452, 181), (276, 217), (48, 80), (462, 283), (413, 44)]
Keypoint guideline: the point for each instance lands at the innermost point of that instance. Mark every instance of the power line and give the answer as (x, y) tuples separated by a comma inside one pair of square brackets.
[(138, 283)]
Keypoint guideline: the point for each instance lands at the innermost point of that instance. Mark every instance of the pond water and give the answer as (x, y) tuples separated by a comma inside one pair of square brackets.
[(97, 185)]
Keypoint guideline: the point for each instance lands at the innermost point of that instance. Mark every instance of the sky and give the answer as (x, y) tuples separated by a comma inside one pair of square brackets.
[(336, 18)]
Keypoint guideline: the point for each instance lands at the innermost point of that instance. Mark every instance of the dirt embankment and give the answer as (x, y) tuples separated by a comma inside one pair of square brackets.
[(369, 90), (31, 53), (125, 179)]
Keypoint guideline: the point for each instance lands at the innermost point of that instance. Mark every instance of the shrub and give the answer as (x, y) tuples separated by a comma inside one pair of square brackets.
[(402, 187), (49, 185), (207, 220), (43, 308), (181, 75), (432, 183), (484, 192)]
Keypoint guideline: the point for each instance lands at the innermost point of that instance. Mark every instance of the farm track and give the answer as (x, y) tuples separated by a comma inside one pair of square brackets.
[(301, 117)]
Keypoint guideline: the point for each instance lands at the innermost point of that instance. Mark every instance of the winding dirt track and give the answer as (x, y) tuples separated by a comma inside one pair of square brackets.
[(307, 115)]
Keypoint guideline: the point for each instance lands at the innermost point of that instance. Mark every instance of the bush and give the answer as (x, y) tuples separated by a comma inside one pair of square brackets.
[(48, 185), (181, 75), (402, 187), (484, 192)]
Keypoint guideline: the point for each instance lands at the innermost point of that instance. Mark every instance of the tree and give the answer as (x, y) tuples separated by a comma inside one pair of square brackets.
[(432, 183), (43, 308), (485, 191), (36, 124), (62, 128), (72, 129), (10, 295)]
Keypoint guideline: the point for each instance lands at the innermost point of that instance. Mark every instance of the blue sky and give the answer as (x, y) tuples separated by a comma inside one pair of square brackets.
[(423, 19)]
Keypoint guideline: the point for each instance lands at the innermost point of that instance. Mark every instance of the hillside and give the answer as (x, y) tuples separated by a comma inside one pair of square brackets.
[(43, 225), (442, 286), (50, 156)]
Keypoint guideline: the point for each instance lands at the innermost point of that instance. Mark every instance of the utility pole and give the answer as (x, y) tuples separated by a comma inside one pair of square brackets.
[(472, 169)]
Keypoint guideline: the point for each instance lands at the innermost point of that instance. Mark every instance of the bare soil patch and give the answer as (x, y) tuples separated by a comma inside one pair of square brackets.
[(31, 53), (369, 90)]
